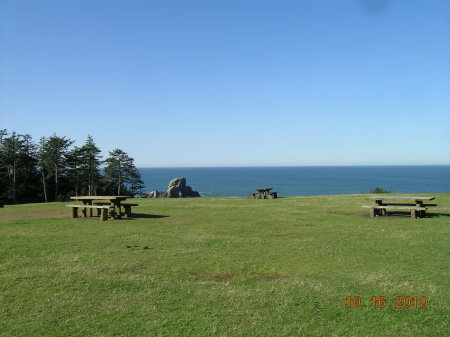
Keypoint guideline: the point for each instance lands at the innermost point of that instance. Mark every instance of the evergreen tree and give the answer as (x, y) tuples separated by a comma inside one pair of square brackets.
[(121, 174), (28, 178), (3, 169), (42, 165), (7, 165), (136, 184), (18, 174), (56, 160), (85, 163)]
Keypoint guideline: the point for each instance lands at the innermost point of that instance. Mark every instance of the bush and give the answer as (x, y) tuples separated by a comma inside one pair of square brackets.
[(379, 190)]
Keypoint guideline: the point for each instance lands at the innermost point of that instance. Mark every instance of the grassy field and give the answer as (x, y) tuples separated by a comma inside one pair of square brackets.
[(224, 267)]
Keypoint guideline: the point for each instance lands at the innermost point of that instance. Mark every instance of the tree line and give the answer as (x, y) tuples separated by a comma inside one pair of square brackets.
[(53, 170)]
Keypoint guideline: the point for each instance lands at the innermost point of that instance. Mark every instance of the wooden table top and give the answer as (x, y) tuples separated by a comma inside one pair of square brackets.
[(392, 197), (101, 197), (266, 189)]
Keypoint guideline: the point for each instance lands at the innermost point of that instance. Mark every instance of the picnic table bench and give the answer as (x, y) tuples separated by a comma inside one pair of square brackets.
[(111, 208), (415, 205), (264, 193), (102, 211), (126, 207)]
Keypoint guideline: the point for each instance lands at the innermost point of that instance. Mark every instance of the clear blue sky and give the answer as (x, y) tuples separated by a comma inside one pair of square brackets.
[(232, 83)]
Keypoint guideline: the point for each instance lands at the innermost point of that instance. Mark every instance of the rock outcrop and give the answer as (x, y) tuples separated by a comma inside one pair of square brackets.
[(156, 194), (177, 188)]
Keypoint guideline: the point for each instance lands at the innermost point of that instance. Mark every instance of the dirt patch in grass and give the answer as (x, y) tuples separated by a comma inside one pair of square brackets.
[(40, 214), (267, 278)]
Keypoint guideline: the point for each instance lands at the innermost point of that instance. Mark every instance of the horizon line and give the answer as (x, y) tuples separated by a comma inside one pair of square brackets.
[(264, 166)]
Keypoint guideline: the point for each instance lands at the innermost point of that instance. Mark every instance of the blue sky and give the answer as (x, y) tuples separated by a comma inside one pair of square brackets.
[(232, 83)]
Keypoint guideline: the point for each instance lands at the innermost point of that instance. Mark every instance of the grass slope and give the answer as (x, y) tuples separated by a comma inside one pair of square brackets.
[(223, 267)]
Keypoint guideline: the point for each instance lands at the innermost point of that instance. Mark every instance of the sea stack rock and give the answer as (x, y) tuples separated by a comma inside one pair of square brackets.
[(177, 188)]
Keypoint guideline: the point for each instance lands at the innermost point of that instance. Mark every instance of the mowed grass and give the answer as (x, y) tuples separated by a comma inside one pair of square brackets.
[(224, 267)]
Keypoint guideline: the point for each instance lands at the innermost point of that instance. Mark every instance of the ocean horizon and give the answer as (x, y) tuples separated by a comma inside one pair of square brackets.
[(302, 180)]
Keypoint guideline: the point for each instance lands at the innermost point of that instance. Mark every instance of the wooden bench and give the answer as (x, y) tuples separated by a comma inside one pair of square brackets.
[(102, 211), (126, 207), (254, 195), (415, 204), (416, 212)]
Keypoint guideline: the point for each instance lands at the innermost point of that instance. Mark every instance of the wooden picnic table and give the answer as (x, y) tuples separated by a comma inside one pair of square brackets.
[(390, 202), (264, 193), (114, 201)]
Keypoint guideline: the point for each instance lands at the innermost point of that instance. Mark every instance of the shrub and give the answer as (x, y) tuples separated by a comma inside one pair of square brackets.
[(379, 190)]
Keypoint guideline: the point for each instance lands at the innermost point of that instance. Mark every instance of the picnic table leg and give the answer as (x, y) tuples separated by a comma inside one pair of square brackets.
[(381, 211), (74, 212), (112, 211), (373, 212), (104, 214), (119, 211), (115, 210), (84, 210), (419, 203), (127, 211)]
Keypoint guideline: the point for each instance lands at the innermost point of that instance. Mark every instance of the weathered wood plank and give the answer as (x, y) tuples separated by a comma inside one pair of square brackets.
[(396, 207), (392, 197), (101, 197), (86, 206)]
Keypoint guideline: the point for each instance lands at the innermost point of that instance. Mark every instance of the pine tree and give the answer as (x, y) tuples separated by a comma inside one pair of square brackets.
[(42, 165), (28, 177), (3, 169), (121, 173), (56, 160), (136, 184), (18, 174), (8, 164), (86, 163)]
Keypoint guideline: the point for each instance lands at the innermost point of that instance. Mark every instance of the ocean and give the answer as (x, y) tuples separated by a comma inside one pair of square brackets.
[(303, 180)]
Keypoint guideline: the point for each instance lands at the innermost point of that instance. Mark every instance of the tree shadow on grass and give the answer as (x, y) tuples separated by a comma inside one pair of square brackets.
[(433, 215), (147, 216)]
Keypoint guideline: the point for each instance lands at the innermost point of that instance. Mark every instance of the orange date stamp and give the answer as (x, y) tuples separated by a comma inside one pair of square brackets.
[(383, 302)]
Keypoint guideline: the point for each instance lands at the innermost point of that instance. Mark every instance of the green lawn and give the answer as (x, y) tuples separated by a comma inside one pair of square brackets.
[(224, 267)]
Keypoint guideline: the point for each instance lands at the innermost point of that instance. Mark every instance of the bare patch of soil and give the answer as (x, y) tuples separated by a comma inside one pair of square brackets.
[(40, 214)]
